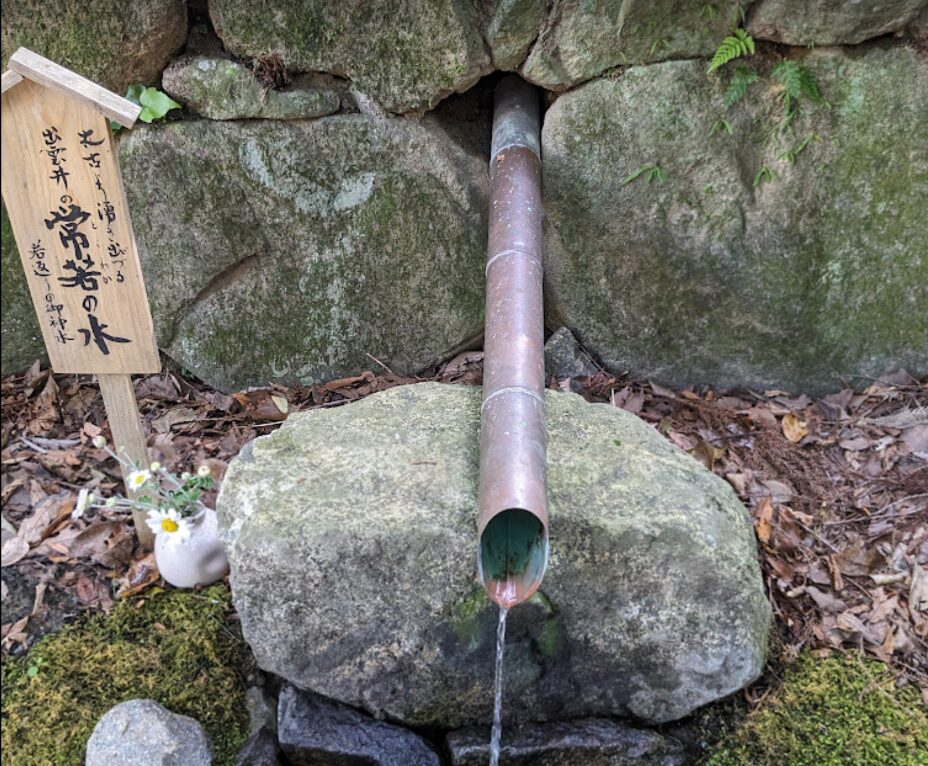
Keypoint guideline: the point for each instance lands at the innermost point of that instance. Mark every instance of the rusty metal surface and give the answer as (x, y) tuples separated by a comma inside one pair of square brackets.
[(513, 500)]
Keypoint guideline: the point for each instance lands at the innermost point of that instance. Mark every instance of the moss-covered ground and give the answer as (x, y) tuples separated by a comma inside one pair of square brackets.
[(178, 647), (837, 711)]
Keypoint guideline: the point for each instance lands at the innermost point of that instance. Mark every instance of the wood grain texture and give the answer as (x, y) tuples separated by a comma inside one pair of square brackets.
[(9, 79), (69, 215), (44, 72), (122, 411)]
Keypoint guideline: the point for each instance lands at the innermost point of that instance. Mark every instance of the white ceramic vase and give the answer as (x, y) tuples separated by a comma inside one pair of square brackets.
[(198, 560)]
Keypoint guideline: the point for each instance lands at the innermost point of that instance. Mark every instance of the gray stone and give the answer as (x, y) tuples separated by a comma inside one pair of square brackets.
[(717, 276), (406, 55), (143, 733), (222, 89), (564, 358), (262, 710), (511, 29), (112, 42), (297, 251), (829, 22), (589, 742), (351, 536), (260, 749), (314, 730), (580, 40)]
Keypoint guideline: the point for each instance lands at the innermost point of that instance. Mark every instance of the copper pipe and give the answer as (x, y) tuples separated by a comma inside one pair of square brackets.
[(512, 552)]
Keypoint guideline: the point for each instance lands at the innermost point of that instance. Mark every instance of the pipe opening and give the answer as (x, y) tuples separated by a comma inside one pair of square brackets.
[(512, 556)]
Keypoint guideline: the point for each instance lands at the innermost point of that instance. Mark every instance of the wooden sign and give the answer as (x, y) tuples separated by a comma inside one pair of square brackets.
[(68, 211), (69, 216)]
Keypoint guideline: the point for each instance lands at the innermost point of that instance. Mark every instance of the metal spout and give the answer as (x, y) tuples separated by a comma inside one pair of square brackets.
[(512, 552)]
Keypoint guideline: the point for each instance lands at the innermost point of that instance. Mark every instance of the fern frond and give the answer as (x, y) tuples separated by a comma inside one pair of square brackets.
[(789, 75), (739, 43), (741, 78)]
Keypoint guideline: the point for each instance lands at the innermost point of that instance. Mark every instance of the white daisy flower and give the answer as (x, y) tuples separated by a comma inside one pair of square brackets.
[(169, 523), (98, 441), (84, 499), (138, 479), (203, 471)]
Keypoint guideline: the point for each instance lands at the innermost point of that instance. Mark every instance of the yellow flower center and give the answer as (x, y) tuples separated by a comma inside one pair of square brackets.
[(169, 525)]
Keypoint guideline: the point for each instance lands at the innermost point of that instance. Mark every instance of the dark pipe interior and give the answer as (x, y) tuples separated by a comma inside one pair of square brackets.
[(513, 555)]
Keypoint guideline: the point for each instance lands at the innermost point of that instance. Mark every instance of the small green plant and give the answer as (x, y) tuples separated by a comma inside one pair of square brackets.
[(797, 82), (155, 104), (651, 171), (791, 154), (721, 125), (742, 77), (762, 176), (737, 45)]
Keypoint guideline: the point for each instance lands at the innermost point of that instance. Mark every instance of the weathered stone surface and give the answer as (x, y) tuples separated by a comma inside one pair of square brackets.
[(589, 742), (296, 251), (222, 89), (564, 358), (818, 275), (143, 733), (260, 749), (314, 730), (511, 29), (112, 42), (20, 336), (406, 55), (580, 40), (829, 22), (351, 535)]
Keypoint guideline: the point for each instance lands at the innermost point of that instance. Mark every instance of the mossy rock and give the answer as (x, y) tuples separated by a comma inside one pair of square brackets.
[(177, 647), (296, 251), (714, 275), (112, 42), (406, 55), (839, 711)]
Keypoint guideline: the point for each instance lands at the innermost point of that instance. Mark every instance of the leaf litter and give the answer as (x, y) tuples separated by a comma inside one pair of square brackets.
[(837, 487)]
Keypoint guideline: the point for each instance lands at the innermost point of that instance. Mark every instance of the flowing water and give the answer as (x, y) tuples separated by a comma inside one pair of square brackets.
[(497, 729)]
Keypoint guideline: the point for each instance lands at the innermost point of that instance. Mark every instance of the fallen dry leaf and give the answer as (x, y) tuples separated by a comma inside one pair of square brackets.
[(794, 429)]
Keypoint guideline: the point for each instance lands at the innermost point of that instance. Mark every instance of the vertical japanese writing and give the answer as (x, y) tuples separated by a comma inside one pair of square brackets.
[(55, 153), (79, 232)]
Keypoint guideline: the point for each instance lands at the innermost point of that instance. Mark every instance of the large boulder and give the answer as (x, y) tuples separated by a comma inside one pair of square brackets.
[(720, 273), (406, 55), (351, 535), (112, 42), (829, 22), (580, 40), (301, 251)]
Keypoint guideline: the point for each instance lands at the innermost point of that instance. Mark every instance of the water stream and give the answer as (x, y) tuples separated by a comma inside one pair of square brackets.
[(497, 730)]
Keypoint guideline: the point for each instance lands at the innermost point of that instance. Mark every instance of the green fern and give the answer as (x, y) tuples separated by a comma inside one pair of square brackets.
[(791, 155), (741, 78), (764, 174), (739, 43), (797, 82), (651, 171)]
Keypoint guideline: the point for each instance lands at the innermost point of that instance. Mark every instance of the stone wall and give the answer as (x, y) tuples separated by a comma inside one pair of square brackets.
[(321, 200)]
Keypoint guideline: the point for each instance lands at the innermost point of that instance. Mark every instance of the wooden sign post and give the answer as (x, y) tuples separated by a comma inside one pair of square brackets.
[(68, 211)]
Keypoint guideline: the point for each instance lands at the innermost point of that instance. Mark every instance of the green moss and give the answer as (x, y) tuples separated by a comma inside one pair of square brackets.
[(176, 647), (840, 711)]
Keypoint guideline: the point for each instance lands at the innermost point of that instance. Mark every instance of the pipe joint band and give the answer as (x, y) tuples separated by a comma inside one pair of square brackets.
[(520, 390), (511, 251)]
